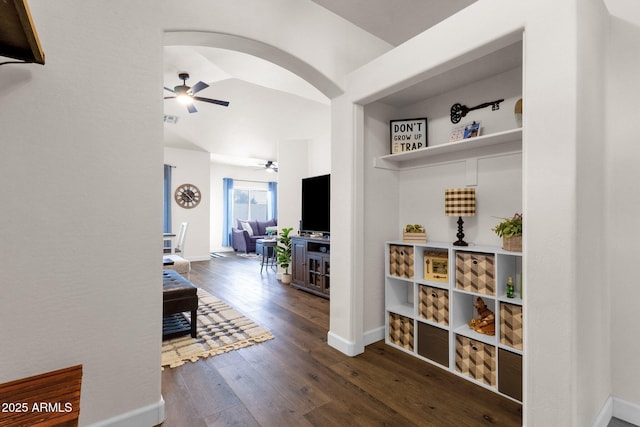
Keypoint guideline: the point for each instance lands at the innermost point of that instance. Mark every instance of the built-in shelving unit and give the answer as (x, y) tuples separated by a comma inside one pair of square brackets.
[(430, 319), (509, 141)]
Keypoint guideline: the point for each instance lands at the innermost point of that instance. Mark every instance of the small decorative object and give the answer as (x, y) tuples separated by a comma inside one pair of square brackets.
[(465, 131), (187, 196), (408, 135), (517, 111), (459, 111), (486, 321), (460, 202), (511, 291), (414, 233), (436, 266), (510, 229), (272, 230), (283, 254)]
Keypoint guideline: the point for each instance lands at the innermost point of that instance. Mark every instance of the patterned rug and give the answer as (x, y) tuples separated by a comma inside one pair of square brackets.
[(220, 330)]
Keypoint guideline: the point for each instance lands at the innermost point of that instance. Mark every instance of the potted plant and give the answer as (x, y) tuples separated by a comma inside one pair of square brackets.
[(283, 254), (510, 229)]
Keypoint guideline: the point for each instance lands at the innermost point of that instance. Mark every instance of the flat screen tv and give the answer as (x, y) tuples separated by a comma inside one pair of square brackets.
[(316, 204)]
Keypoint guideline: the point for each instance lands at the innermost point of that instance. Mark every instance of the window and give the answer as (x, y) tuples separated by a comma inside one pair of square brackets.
[(251, 201)]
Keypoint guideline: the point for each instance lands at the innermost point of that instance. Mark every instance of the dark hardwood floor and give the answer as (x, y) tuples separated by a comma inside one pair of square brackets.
[(296, 379)]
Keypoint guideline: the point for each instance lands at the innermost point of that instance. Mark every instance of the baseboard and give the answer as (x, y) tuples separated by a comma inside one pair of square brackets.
[(151, 415), (199, 258), (618, 408), (373, 335), (349, 348), (626, 411), (605, 414)]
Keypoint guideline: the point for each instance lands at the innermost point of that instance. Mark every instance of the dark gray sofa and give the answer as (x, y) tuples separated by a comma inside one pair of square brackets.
[(243, 241)]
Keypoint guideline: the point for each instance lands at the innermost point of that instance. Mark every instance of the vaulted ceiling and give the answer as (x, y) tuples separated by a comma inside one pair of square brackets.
[(268, 103)]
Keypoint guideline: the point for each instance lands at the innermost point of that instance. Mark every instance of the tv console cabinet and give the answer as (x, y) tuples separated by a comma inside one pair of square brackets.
[(310, 262)]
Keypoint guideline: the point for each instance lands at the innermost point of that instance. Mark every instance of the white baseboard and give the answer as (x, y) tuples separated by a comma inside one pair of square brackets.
[(618, 408), (374, 335), (199, 258), (605, 414), (151, 415), (626, 411), (349, 348)]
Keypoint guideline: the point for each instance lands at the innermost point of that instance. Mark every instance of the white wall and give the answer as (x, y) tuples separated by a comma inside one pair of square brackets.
[(293, 166), (81, 228), (381, 215), (191, 167), (593, 313), (622, 152)]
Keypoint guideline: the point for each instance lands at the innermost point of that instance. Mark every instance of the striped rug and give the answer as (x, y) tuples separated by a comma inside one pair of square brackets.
[(220, 329)]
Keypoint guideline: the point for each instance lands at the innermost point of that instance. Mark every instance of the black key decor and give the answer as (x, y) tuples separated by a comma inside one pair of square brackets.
[(458, 111)]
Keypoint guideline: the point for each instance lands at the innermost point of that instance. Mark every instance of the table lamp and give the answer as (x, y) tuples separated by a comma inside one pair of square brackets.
[(460, 202)]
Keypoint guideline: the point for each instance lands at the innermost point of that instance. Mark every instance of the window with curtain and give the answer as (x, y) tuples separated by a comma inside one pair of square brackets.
[(166, 228), (250, 200)]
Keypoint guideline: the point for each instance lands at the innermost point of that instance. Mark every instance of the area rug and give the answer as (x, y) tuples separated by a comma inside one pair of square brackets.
[(250, 255), (220, 329)]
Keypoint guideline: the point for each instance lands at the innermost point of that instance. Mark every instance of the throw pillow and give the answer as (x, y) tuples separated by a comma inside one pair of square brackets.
[(246, 226)]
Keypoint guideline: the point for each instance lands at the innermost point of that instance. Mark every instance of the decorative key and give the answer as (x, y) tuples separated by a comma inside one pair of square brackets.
[(459, 111)]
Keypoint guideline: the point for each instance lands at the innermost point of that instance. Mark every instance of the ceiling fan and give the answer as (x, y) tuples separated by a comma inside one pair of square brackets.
[(186, 94), (269, 166)]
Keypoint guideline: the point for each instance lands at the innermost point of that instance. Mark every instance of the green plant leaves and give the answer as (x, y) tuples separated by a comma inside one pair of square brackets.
[(510, 227)]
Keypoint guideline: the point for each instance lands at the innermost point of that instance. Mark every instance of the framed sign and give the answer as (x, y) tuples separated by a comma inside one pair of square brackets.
[(408, 135), (465, 131)]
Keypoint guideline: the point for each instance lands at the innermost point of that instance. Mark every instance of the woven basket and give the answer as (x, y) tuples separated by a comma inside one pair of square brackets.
[(513, 244), (414, 237)]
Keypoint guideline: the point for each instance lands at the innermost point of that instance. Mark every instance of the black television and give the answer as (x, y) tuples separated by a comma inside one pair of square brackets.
[(316, 204)]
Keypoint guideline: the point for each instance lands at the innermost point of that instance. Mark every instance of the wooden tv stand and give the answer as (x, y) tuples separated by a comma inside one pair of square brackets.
[(310, 261)]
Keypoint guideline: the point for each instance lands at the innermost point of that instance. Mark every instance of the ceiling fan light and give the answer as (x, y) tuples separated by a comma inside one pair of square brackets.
[(184, 98)]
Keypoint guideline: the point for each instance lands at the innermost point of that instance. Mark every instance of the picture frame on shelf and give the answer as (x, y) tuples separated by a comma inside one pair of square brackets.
[(408, 134), (465, 131)]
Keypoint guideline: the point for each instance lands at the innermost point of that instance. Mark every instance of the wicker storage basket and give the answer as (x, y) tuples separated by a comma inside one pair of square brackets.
[(414, 237), (511, 325), (476, 360), (401, 331), (513, 244), (401, 261), (434, 304), (475, 272)]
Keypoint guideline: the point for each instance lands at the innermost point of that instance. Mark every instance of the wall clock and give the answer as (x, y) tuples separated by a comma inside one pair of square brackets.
[(187, 196)]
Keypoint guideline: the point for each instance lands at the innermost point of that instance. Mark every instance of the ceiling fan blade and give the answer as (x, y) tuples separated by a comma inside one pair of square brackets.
[(170, 90), (198, 87), (169, 97), (191, 108), (212, 101)]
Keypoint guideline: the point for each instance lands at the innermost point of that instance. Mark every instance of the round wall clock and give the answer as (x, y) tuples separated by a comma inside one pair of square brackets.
[(187, 196)]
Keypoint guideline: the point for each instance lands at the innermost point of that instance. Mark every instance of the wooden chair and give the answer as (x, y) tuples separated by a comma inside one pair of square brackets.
[(182, 234)]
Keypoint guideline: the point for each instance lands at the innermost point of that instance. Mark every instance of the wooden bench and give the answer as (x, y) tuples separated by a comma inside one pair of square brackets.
[(178, 295)]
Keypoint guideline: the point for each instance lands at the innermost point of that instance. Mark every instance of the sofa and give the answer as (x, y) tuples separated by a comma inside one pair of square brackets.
[(246, 233)]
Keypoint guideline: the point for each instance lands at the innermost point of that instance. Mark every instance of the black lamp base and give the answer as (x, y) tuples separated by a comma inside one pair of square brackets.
[(460, 235)]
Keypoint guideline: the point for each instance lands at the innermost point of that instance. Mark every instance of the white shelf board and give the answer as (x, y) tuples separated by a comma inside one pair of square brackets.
[(515, 301), (510, 349), (509, 141), (401, 309), (466, 331)]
